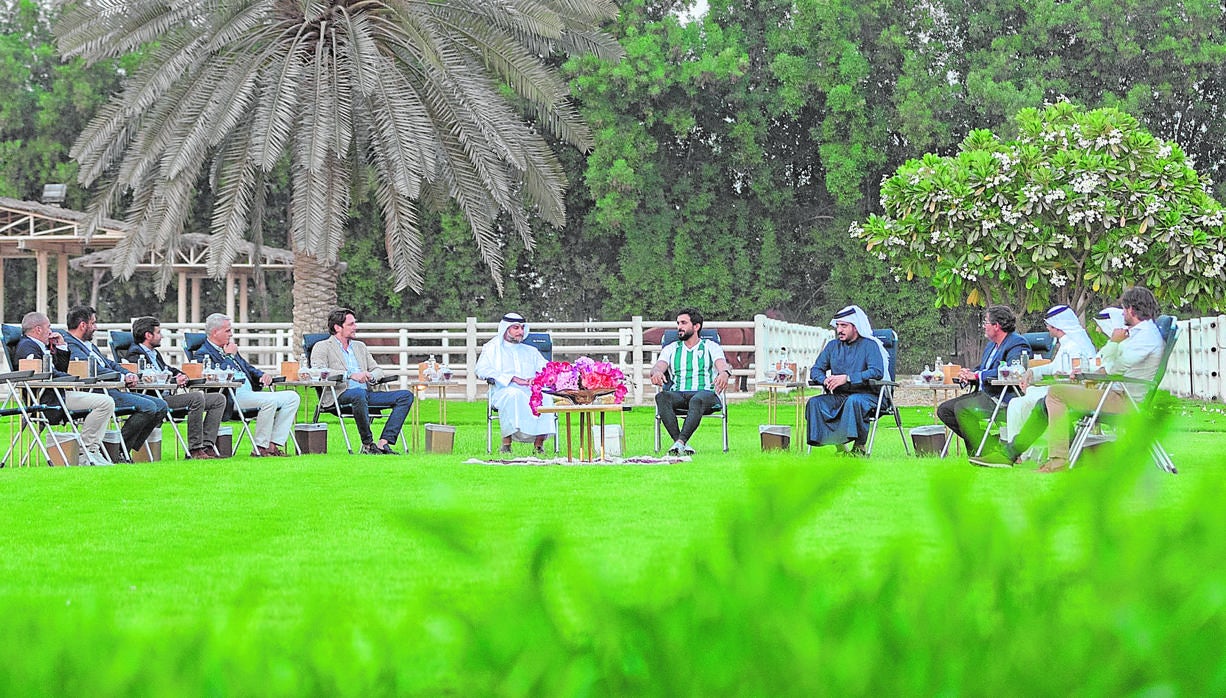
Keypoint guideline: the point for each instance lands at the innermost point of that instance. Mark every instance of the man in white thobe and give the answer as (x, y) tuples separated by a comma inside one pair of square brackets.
[(510, 365)]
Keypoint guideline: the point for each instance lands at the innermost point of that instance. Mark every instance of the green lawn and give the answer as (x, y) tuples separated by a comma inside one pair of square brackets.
[(391, 548)]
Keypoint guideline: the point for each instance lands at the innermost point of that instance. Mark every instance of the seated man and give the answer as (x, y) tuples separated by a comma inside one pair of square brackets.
[(511, 365), (37, 342), (82, 322), (698, 372), (1134, 351), (343, 354), (204, 409), (846, 368), (963, 413), (1027, 413), (277, 409)]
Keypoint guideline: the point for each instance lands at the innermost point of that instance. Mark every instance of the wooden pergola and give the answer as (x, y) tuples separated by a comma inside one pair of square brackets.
[(53, 235)]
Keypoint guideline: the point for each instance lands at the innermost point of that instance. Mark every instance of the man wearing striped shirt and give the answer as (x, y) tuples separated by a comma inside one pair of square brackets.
[(694, 371)]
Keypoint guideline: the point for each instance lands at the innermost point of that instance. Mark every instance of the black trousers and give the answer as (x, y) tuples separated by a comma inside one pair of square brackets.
[(963, 416)]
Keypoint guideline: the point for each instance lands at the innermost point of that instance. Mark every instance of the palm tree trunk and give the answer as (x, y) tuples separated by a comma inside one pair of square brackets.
[(314, 295)]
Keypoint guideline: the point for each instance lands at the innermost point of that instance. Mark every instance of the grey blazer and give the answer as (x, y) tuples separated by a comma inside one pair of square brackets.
[(328, 353)]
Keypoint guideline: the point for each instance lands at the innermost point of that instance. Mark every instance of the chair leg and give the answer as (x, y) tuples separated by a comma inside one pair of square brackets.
[(724, 419), (657, 432), (906, 447)]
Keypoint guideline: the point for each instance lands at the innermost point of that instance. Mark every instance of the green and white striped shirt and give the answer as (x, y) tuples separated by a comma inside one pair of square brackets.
[(692, 369)]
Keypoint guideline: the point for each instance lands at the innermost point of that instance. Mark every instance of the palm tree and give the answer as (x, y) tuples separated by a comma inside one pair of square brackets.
[(414, 98)]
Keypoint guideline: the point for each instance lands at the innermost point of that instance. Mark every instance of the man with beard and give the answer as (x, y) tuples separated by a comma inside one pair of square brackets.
[(82, 322), (962, 415), (204, 409), (698, 372), (511, 365), (343, 353), (846, 369)]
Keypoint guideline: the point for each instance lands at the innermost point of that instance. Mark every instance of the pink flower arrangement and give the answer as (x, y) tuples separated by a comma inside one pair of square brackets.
[(584, 374)]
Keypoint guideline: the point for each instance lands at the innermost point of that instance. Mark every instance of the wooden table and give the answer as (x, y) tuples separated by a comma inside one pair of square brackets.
[(772, 406), (585, 413), (320, 385), (418, 387), (943, 389)]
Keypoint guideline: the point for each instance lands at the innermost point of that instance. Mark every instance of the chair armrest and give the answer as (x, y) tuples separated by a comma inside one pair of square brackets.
[(385, 380), (279, 379)]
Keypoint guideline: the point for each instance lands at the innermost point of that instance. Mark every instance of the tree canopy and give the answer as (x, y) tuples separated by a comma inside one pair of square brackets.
[(1078, 206)]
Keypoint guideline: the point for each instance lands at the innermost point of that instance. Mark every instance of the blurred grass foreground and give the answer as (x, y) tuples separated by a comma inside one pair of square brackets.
[(747, 574)]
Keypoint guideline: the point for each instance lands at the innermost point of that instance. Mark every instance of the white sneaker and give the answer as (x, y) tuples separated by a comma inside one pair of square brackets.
[(93, 458), (687, 450), (677, 449)]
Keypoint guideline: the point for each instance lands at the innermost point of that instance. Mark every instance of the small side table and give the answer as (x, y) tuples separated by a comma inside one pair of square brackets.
[(772, 405), (419, 387), (941, 391)]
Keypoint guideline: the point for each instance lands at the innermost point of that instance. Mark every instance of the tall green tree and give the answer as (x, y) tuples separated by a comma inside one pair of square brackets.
[(412, 99)]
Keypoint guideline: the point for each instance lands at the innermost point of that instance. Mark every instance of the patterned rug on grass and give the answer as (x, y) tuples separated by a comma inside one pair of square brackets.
[(529, 460)]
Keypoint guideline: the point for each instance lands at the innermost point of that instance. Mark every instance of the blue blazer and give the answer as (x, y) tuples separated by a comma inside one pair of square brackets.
[(235, 362), (79, 351), (1011, 347)]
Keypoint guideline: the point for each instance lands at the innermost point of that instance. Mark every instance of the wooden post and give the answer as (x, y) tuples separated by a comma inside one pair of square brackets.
[(638, 375), (230, 295), (196, 299), (40, 283), (182, 297), (61, 284), (470, 358), (242, 300)]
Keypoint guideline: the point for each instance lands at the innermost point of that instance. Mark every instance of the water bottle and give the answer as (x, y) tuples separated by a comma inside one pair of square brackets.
[(47, 363), (140, 364), (1025, 360)]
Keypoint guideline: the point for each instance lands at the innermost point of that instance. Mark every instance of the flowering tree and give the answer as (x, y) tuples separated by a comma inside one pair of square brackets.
[(1080, 206)]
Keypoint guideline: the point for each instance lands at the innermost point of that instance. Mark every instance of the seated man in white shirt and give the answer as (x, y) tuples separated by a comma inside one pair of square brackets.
[(1026, 419), (1134, 351), (277, 409)]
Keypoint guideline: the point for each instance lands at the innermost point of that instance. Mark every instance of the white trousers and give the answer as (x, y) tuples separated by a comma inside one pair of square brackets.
[(278, 409), (101, 409), (515, 418), (1020, 408)]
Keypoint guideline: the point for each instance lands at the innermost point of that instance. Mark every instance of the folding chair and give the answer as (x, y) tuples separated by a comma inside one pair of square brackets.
[(341, 411), (719, 410), (1042, 344), (120, 344), (543, 343), (885, 395), (1086, 425)]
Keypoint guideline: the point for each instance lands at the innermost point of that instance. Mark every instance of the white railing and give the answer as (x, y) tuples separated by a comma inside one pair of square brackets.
[(1198, 361), (399, 347)]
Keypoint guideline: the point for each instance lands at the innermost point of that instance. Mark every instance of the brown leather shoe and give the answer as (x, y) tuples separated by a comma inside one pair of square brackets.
[(275, 450), (202, 454), (1054, 465), (260, 452)]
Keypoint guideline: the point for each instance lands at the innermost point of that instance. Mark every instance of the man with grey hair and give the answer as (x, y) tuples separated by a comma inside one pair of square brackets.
[(39, 340), (277, 410)]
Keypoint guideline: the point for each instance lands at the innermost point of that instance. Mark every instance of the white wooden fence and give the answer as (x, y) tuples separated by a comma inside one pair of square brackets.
[(1198, 361), (399, 347)]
